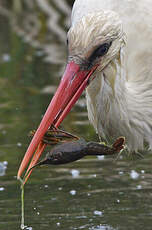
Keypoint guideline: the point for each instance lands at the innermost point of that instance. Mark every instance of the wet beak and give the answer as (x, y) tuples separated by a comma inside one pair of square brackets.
[(72, 84)]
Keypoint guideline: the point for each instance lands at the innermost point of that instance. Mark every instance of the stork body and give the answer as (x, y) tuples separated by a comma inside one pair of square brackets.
[(119, 99)]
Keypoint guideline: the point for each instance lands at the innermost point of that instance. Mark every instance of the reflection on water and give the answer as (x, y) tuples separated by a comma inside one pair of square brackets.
[(89, 194)]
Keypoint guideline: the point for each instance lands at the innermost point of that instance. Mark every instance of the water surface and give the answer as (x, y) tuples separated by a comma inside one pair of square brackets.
[(105, 194)]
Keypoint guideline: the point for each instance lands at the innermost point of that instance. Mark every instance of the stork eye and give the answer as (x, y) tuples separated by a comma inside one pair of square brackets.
[(100, 51), (67, 42)]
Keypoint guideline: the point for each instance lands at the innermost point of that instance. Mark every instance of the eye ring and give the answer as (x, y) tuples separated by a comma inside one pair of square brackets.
[(100, 51)]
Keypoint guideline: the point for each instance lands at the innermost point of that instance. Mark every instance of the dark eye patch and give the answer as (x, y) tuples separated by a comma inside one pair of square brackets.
[(100, 51)]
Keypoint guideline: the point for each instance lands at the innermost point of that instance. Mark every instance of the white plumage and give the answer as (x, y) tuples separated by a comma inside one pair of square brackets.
[(119, 99)]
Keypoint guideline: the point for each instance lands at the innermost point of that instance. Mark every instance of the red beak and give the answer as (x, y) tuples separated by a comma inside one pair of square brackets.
[(72, 84)]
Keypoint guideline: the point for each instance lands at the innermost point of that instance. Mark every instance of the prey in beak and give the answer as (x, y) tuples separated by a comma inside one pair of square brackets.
[(72, 84)]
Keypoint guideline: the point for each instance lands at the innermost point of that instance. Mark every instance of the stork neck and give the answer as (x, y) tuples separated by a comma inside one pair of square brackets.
[(115, 76), (106, 99), (116, 105)]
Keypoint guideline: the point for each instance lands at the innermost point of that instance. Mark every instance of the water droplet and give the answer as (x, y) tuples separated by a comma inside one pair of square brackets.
[(139, 186), (19, 144), (98, 213), (6, 57), (73, 192), (134, 175), (2, 189), (75, 173), (101, 158)]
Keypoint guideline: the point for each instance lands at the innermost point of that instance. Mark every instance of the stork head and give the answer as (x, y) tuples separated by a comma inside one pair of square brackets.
[(95, 39), (92, 43)]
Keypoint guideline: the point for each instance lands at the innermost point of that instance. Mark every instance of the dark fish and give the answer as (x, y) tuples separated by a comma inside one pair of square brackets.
[(75, 150)]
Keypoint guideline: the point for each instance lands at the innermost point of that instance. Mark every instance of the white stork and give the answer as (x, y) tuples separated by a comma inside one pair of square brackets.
[(109, 46)]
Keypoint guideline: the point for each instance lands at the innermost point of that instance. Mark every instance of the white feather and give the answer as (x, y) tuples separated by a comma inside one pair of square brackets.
[(119, 99)]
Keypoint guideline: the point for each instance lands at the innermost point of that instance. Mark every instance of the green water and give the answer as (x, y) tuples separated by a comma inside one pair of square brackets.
[(107, 194)]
